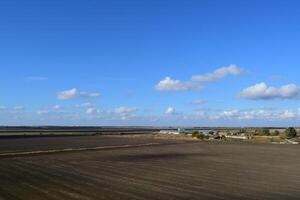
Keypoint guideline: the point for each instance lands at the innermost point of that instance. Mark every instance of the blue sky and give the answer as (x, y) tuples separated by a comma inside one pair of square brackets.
[(133, 62)]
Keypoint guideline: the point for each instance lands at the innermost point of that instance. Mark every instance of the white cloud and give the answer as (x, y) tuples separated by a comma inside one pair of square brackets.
[(226, 114), (168, 84), (201, 115), (287, 114), (85, 105), (57, 107), (67, 94), (219, 74), (125, 113), (74, 93), (242, 117), (89, 95), (91, 111), (229, 113), (42, 112), (125, 110), (265, 92), (2, 107), (170, 111), (260, 114)]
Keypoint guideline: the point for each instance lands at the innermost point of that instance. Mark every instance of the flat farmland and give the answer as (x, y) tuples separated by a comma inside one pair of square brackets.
[(171, 170), (73, 142)]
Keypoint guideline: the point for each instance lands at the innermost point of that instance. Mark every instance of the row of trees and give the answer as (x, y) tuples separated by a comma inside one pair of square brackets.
[(196, 134), (289, 132)]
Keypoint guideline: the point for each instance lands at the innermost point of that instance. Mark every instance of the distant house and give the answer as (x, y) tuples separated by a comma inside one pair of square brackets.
[(181, 130), (174, 132)]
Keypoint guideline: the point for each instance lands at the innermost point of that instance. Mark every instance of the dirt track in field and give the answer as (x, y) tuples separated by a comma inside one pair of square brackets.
[(190, 170)]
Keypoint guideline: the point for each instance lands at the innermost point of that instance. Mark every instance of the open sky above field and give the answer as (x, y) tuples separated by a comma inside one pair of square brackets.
[(116, 62)]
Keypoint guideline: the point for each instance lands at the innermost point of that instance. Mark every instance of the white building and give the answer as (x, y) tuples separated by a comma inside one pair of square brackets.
[(173, 132)]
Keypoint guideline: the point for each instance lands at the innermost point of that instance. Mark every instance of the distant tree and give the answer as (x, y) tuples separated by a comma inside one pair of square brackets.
[(243, 130), (201, 136), (290, 132), (275, 133), (211, 132), (262, 132), (195, 133)]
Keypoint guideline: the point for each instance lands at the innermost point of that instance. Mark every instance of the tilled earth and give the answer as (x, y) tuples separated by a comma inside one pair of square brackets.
[(65, 142), (187, 170)]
